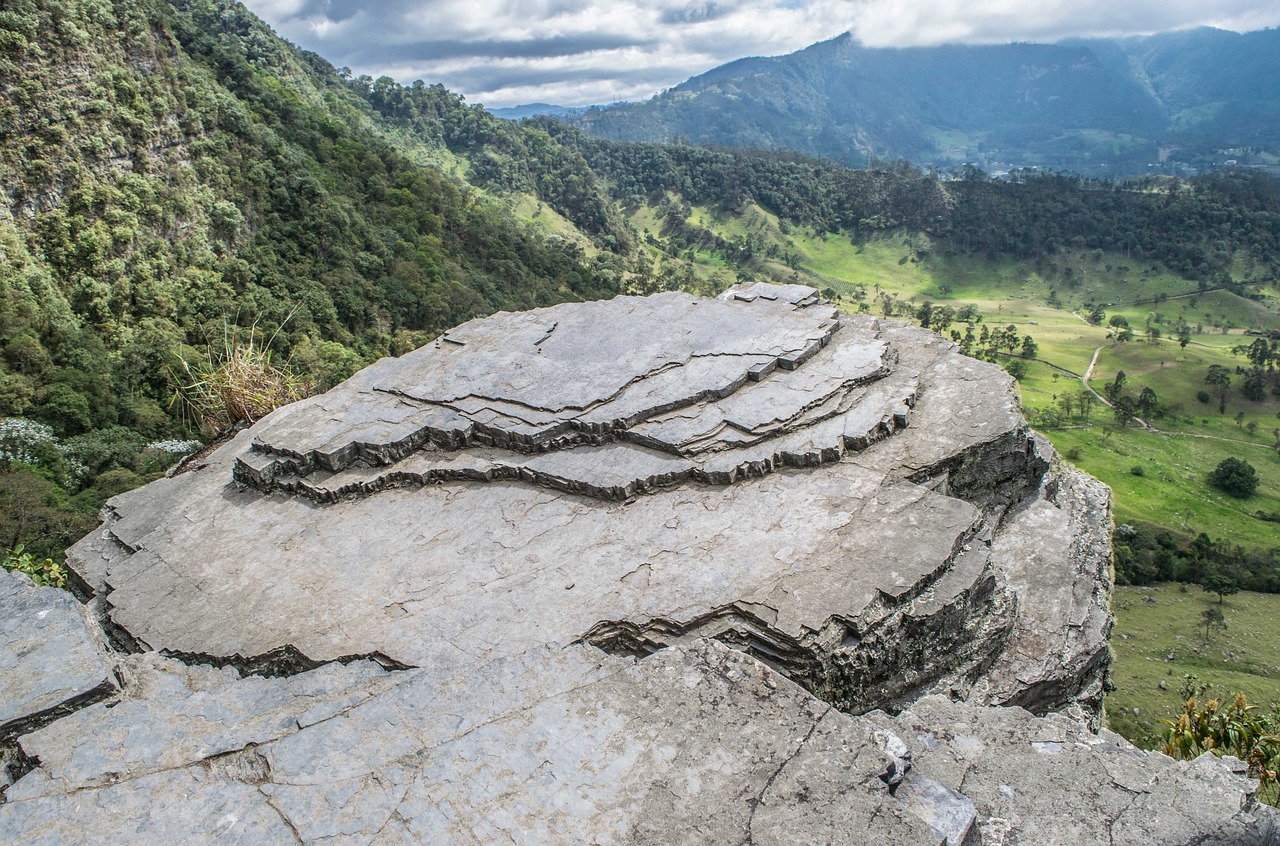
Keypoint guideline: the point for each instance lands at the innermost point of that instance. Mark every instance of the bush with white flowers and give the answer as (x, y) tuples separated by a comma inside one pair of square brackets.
[(20, 440)]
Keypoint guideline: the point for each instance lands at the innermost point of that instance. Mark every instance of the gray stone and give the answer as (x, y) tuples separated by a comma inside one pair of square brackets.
[(550, 477), (699, 744), (621, 572), (191, 807), (171, 715), (1055, 549), (951, 815), (1053, 782), (49, 660)]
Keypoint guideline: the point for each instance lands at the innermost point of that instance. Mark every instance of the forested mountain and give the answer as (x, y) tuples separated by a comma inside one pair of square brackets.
[(201, 170), (1100, 107), (176, 179)]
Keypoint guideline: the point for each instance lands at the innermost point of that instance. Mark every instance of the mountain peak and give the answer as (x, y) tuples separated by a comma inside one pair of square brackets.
[(1098, 106)]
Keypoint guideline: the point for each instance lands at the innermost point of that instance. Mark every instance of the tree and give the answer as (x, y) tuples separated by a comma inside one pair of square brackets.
[(1259, 352), (943, 317), (1220, 378), (1212, 617), (1221, 584), (1029, 348), (29, 515), (1017, 368), (1067, 403), (1235, 477), (1086, 404), (1125, 409), (1255, 385), (1147, 402), (1116, 388), (1184, 335)]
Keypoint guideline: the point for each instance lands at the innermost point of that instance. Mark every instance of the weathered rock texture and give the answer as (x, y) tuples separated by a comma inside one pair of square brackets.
[(621, 572), (50, 664)]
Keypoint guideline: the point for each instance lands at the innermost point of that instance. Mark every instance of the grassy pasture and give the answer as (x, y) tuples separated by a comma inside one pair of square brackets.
[(1159, 637)]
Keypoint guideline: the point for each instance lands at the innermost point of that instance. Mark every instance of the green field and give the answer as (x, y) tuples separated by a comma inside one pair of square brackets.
[(1047, 300), (1158, 637), (1177, 375), (1172, 491), (1193, 436)]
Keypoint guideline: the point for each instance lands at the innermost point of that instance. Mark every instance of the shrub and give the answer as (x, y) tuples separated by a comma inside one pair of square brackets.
[(1017, 368), (1238, 729), (44, 572), (1235, 478), (1204, 396), (1138, 470)]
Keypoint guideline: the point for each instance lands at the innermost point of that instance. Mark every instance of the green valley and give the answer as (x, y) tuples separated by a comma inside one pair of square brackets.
[(200, 185)]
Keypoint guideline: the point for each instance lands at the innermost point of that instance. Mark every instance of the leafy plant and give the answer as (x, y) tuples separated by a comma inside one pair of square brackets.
[(1239, 729), (44, 572)]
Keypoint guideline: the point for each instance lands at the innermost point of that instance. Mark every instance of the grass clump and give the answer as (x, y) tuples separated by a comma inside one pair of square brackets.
[(238, 383)]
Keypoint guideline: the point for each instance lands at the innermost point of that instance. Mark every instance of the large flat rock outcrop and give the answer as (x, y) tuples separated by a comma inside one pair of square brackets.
[(618, 572)]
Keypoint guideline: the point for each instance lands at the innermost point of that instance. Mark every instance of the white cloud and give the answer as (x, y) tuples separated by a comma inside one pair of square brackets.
[(893, 23), (574, 52)]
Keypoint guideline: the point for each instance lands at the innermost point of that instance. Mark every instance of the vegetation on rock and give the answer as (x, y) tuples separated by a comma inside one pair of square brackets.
[(45, 572), (1237, 729)]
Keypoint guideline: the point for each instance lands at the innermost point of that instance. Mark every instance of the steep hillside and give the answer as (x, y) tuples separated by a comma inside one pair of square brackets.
[(1097, 107), (178, 181), (201, 170)]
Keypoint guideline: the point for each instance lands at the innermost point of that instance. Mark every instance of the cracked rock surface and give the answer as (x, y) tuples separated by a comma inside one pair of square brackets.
[(615, 572), (50, 663)]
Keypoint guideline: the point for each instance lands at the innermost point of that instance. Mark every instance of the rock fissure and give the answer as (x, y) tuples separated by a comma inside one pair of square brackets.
[(281, 662), (755, 802)]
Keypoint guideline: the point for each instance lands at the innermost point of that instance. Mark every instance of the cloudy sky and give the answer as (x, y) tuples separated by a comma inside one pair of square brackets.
[(576, 52)]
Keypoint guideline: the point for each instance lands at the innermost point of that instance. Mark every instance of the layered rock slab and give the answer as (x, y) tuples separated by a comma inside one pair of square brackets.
[(50, 662), (634, 474), (698, 743), (573, 564)]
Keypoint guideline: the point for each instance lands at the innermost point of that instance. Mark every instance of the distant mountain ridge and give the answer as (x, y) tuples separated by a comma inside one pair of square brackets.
[(536, 110), (1184, 99)]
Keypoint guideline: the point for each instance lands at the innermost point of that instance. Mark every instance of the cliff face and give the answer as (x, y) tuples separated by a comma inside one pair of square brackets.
[(616, 572)]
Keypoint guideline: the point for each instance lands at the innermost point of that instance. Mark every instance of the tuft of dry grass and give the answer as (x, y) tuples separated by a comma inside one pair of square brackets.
[(238, 383)]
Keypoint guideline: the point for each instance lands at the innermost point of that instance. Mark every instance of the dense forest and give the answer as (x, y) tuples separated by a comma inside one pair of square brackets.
[(178, 180)]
